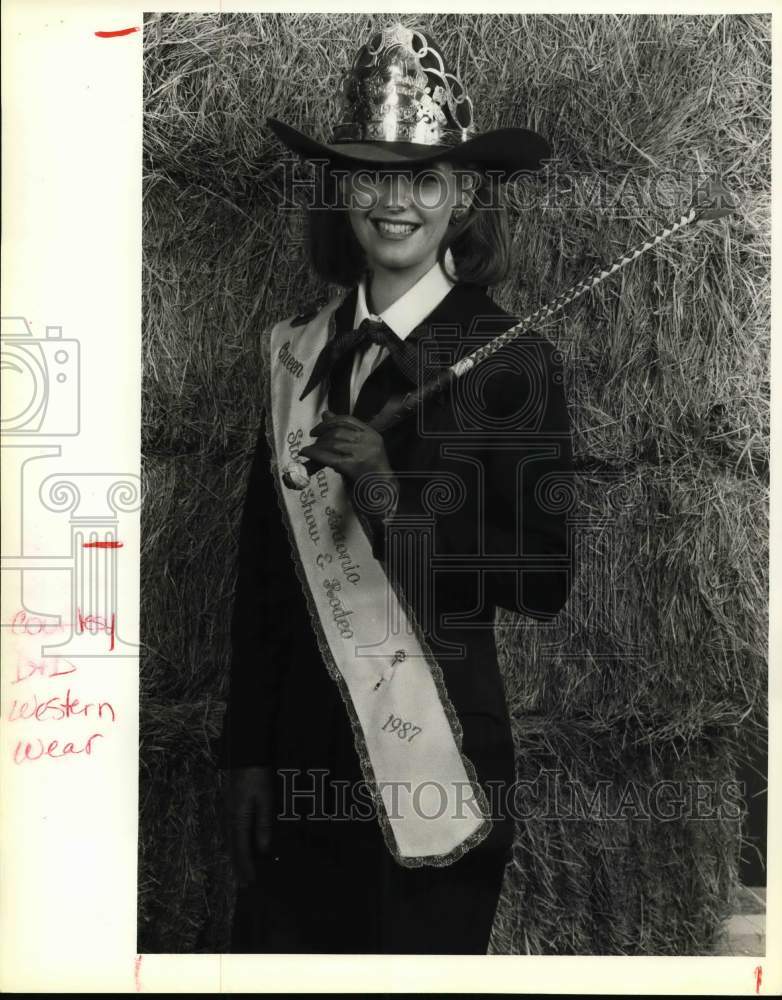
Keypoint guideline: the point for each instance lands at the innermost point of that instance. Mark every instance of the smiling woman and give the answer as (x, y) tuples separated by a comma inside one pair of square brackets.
[(410, 705), (438, 203), (401, 221), (656, 670)]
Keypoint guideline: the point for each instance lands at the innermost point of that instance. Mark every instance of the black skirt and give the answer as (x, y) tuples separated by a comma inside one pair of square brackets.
[(316, 898), (330, 884)]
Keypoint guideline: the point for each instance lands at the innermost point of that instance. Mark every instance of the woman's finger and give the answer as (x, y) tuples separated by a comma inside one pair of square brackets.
[(342, 420), (339, 443), (345, 430), (241, 843), (326, 456), (263, 828)]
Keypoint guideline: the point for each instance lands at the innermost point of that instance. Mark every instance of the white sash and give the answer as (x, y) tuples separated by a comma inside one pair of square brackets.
[(408, 738)]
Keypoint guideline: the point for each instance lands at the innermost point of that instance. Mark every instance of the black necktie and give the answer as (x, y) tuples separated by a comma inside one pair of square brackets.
[(404, 355)]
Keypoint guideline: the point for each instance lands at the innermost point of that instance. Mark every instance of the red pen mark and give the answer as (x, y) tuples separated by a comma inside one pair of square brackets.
[(22, 624), (137, 973), (31, 668), (758, 977), (102, 545), (115, 34), (27, 751), (94, 624), (57, 707)]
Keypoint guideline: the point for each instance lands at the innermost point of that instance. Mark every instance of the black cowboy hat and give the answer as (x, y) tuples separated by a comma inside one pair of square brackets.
[(403, 108)]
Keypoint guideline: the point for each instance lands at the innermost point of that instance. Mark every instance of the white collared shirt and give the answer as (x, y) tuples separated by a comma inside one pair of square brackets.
[(402, 316)]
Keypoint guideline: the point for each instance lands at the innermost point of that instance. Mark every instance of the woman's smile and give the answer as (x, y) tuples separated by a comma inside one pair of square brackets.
[(400, 220), (394, 229)]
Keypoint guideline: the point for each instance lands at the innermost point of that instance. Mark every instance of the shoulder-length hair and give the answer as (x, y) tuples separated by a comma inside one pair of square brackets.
[(480, 242)]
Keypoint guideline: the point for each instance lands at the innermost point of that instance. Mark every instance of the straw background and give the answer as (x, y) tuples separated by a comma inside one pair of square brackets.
[(657, 668)]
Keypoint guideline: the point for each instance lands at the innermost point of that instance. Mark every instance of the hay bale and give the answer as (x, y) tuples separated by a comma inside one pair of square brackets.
[(667, 620), (656, 670), (185, 880), (597, 869)]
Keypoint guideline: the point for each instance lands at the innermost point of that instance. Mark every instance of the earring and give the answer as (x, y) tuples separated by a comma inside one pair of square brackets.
[(457, 215)]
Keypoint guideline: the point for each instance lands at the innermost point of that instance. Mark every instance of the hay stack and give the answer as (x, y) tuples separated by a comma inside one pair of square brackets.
[(656, 670)]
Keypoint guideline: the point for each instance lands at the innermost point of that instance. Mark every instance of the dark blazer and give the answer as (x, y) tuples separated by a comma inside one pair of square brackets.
[(479, 524)]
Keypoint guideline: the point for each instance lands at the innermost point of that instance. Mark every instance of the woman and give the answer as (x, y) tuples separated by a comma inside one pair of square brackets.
[(448, 510)]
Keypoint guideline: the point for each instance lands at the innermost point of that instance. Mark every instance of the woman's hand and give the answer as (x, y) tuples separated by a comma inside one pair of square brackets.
[(249, 812), (351, 447)]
